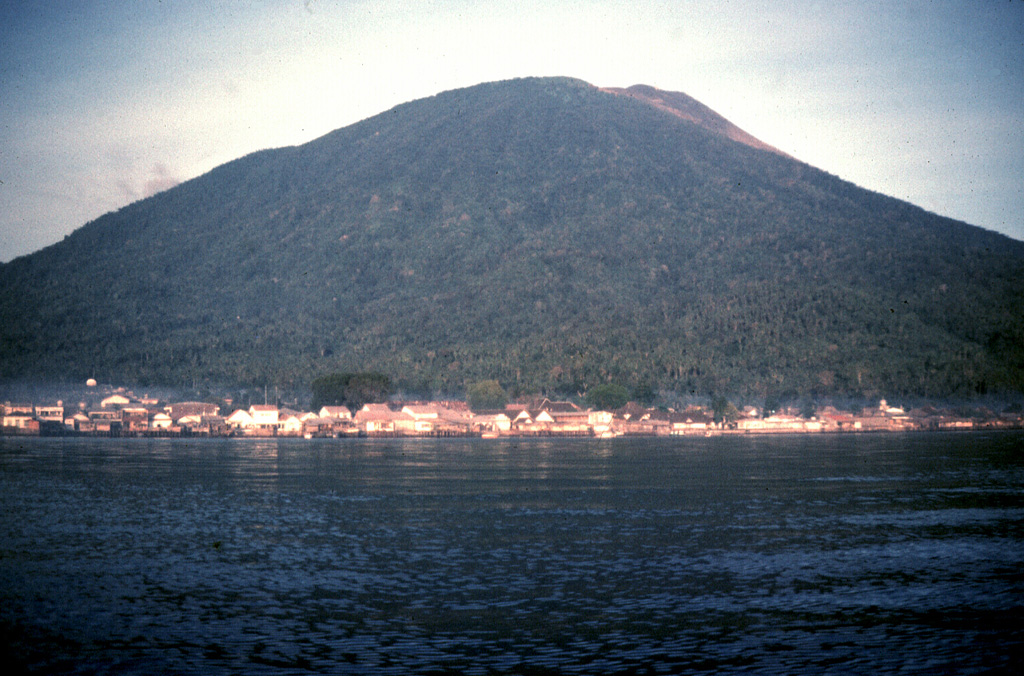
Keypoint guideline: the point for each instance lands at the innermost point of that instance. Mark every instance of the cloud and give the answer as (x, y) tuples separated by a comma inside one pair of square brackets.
[(158, 179)]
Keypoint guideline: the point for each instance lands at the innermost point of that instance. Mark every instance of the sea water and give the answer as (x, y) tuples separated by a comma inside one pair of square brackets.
[(784, 554)]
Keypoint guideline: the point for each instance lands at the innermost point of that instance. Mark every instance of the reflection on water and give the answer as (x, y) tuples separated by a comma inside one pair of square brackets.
[(803, 554)]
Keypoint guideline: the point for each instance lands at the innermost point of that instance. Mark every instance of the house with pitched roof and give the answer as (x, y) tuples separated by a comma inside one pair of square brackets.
[(240, 420), (19, 423), (491, 423), (378, 419), (115, 401), (265, 419), (338, 412)]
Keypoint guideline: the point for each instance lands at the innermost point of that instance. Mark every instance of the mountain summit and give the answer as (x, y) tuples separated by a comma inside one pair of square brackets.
[(542, 232), (692, 110)]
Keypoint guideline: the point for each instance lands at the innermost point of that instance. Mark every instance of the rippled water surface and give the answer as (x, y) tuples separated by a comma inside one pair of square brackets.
[(849, 554)]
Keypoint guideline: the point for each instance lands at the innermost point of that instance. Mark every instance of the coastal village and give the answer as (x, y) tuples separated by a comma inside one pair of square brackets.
[(122, 414)]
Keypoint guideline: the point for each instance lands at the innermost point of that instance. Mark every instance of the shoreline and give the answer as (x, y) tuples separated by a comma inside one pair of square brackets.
[(518, 436)]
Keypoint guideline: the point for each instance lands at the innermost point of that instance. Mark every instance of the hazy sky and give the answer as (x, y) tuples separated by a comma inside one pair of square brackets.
[(103, 103)]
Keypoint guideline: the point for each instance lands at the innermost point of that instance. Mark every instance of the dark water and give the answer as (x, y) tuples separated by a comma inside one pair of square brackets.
[(855, 554)]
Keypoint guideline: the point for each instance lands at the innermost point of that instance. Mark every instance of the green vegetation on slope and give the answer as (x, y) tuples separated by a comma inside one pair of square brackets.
[(538, 232)]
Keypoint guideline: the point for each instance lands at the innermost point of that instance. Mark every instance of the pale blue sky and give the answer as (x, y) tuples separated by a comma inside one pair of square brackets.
[(104, 102)]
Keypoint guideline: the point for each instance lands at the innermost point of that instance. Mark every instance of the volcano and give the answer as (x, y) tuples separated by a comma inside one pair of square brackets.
[(543, 232)]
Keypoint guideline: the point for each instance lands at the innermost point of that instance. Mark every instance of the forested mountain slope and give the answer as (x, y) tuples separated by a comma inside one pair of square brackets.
[(542, 232)]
